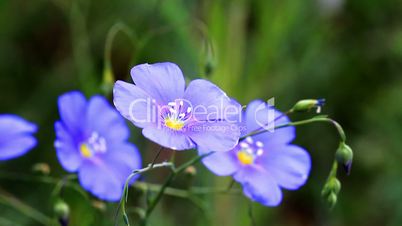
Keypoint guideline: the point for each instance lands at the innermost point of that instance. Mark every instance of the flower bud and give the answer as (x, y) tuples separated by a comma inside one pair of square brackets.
[(108, 79), (209, 67), (333, 185), (190, 171), (62, 212), (332, 199), (42, 168), (344, 156), (308, 104)]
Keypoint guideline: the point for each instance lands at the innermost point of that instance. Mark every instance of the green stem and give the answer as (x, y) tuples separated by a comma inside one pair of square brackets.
[(7, 199), (45, 179), (181, 193), (124, 198), (304, 122), (171, 177), (84, 64), (108, 77), (334, 169)]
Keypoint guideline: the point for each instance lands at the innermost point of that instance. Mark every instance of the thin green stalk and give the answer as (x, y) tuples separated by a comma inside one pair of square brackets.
[(251, 214), (304, 122), (46, 180), (334, 169), (7, 222), (108, 77), (8, 199), (135, 173), (181, 193), (169, 180)]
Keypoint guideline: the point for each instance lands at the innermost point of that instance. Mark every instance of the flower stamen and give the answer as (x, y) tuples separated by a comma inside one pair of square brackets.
[(175, 114), (94, 144)]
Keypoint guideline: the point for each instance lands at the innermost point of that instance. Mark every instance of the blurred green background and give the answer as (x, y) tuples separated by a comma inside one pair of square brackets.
[(349, 52)]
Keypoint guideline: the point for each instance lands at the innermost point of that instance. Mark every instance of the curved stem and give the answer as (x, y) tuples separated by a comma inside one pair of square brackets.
[(304, 122), (108, 77), (171, 177), (124, 198)]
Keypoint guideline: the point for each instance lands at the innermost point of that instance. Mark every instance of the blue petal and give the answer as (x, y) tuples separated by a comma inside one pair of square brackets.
[(133, 103), (72, 109), (259, 186), (209, 102), (214, 136), (289, 165), (259, 114), (17, 146), (162, 81), (221, 163), (165, 137), (67, 148), (15, 136), (105, 176), (12, 124), (106, 121)]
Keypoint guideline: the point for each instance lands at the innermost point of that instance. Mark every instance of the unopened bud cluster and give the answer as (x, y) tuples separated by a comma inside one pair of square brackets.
[(331, 190)]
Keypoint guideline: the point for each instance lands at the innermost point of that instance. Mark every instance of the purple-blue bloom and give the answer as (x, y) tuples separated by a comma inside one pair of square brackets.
[(174, 116), (91, 139), (266, 162), (16, 136)]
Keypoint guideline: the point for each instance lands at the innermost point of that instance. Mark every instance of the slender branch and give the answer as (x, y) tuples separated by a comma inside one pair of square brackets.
[(108, 77), (182, 193), (156, 157), (304, 122), (169, 180), (334, 169), (66, 181), (251, 214), (8, 199), (135, 173)]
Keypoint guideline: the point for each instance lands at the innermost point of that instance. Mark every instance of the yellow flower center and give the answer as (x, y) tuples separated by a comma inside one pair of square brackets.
[(174, 124), (245, 157), (85, 151)]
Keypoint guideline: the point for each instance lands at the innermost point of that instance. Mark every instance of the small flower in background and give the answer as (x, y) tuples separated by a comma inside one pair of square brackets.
[(16, 136), (91, 139), (266, 162), (174, 116)]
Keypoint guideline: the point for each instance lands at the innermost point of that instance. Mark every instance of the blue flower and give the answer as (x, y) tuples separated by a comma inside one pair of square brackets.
[(91, 139), (15, 136), (174, 116), (266, 162)]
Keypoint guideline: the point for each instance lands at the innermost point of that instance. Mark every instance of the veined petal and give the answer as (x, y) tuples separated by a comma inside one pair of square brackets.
[(162, 81), (165, 137), (16, 146), (289, 165), (220, 163), (104, 119), (105, 175), (67, 148), (259, 114), (15, 136), (134, 104), (209, 102), (259, 186), (12, 124), (72, 106), (214, 136)]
